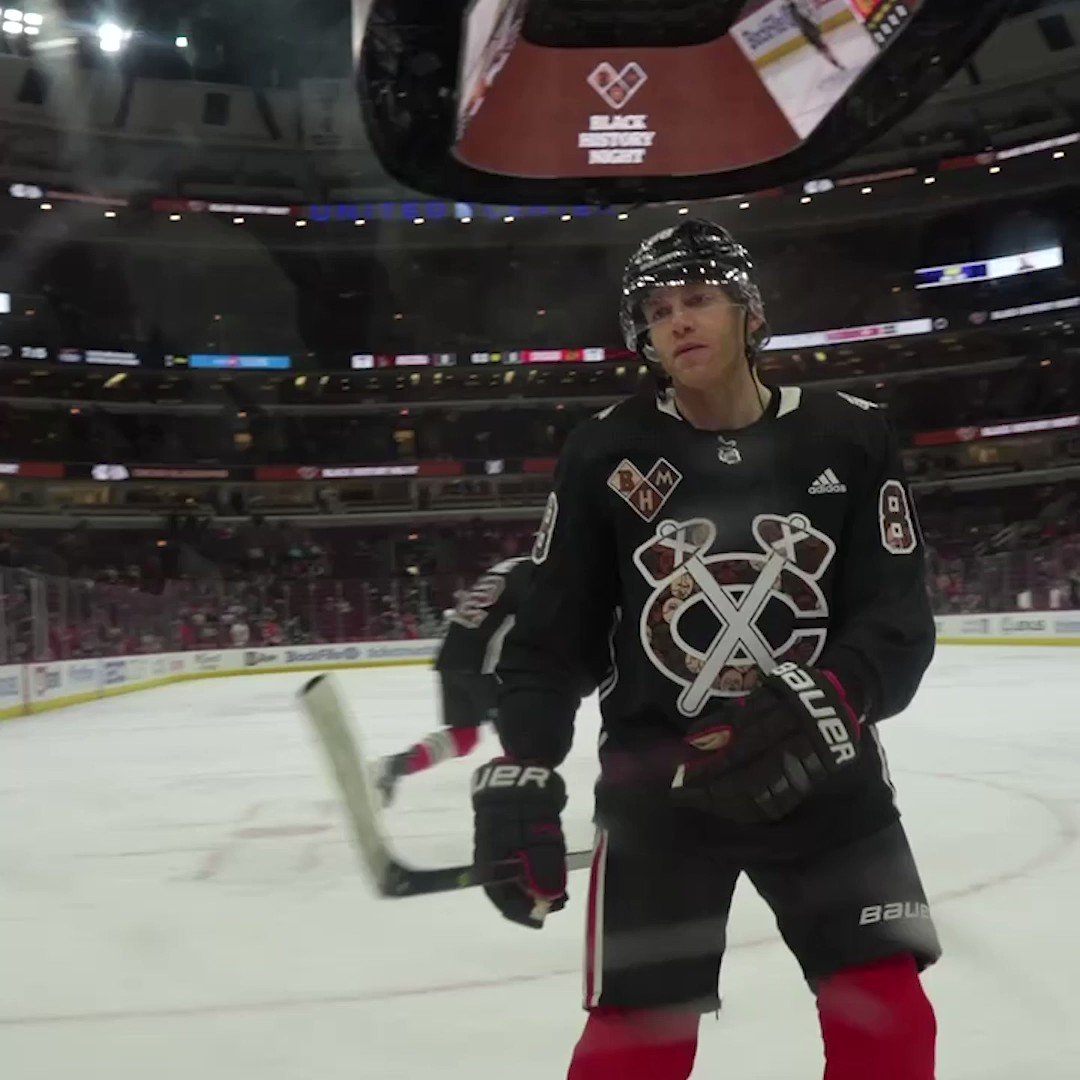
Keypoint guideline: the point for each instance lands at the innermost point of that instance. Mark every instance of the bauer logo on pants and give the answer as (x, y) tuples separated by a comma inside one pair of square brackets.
[(899, 909), (702, 626)]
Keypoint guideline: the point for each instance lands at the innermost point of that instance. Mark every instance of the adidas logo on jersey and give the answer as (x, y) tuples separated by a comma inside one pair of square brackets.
[(828, 483)]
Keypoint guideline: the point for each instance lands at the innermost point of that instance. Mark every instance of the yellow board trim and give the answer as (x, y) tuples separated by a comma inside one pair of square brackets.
[(186, 676), (1008, 641), (280, 669), (71, 699)]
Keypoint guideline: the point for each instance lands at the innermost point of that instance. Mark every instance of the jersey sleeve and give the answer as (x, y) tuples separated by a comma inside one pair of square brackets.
[(882, 634), (555, 653), (481, 618)]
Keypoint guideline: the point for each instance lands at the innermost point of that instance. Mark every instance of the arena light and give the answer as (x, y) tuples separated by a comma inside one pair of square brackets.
[(418, 221), (1058, 155), (805, 199), (867, 190), (466, 220), (508, 218), (110, 213), (929, 179), (684, 209), (623, 217), (182, 41), (46, 206), (238, 221), (360, 221), (19, 22), (994, 170), (565, 217), (301, 224), (112, 38), (744, 206), (174, 217)]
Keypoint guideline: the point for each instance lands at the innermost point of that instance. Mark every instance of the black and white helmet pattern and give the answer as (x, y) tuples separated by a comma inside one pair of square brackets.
[(696, 251)]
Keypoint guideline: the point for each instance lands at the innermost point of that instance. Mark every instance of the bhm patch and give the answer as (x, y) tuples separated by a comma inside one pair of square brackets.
[(645, 493)]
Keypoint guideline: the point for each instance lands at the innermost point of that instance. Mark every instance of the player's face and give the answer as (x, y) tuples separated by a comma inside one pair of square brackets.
[(697, 332)]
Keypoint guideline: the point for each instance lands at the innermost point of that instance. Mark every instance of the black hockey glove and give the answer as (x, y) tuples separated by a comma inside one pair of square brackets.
[(516, 810), (759, 757)]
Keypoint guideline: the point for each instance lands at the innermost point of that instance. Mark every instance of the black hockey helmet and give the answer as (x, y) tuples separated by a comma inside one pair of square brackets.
[(692, 251)]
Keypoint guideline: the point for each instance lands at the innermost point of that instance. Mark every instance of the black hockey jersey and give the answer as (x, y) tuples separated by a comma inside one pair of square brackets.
[(674, 564), (482, 617)]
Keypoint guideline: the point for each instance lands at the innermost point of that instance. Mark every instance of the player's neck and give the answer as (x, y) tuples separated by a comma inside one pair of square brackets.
[(723, 406)]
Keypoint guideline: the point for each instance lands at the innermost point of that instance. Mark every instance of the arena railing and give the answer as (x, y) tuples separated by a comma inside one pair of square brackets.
[(45, 617)]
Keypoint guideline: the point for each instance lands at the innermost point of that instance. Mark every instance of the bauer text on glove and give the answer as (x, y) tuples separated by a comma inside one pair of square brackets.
[(517, 808)]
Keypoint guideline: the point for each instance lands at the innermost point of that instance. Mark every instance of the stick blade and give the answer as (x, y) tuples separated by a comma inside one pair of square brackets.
[(343, 748)]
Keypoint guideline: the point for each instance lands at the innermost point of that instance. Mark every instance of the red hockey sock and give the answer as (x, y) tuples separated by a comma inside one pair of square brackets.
[(441, 746), (620, 1044), (420, 758), (465, 740), (877, 1022)]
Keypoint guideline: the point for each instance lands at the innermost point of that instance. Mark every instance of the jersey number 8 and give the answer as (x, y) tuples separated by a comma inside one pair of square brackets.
[(898, 535)]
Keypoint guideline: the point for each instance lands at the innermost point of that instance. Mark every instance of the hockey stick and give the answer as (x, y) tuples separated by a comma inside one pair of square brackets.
[(343, 746)]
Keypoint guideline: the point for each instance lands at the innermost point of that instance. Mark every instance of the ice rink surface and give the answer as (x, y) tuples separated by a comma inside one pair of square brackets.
[(178, 898), (805, 84)]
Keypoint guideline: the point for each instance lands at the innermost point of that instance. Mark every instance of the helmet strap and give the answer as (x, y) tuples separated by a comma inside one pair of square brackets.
[(751, 358)]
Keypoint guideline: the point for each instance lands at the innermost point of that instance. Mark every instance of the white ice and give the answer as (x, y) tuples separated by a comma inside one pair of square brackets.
[(805, 84), (178, 898)]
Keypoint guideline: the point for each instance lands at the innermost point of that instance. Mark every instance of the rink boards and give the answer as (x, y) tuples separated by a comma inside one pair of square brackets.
[(31, 688), (1012, 628)]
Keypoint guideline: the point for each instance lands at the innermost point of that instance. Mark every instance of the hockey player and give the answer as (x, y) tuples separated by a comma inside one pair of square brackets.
[(802, 15), (738, 569), (466, 665)]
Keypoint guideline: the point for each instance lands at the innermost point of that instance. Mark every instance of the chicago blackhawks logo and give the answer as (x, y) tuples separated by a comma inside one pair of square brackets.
[(703, 625)]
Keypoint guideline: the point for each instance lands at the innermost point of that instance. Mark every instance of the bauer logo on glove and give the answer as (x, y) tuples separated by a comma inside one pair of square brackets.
[(760, 757), (496, 775), (813, 698), (517, 808)]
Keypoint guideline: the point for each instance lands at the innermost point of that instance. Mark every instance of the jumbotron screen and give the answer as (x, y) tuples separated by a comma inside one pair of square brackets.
[(748, 97)]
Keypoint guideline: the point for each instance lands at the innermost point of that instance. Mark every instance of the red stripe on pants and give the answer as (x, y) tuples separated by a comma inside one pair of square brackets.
[(594, 924)]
